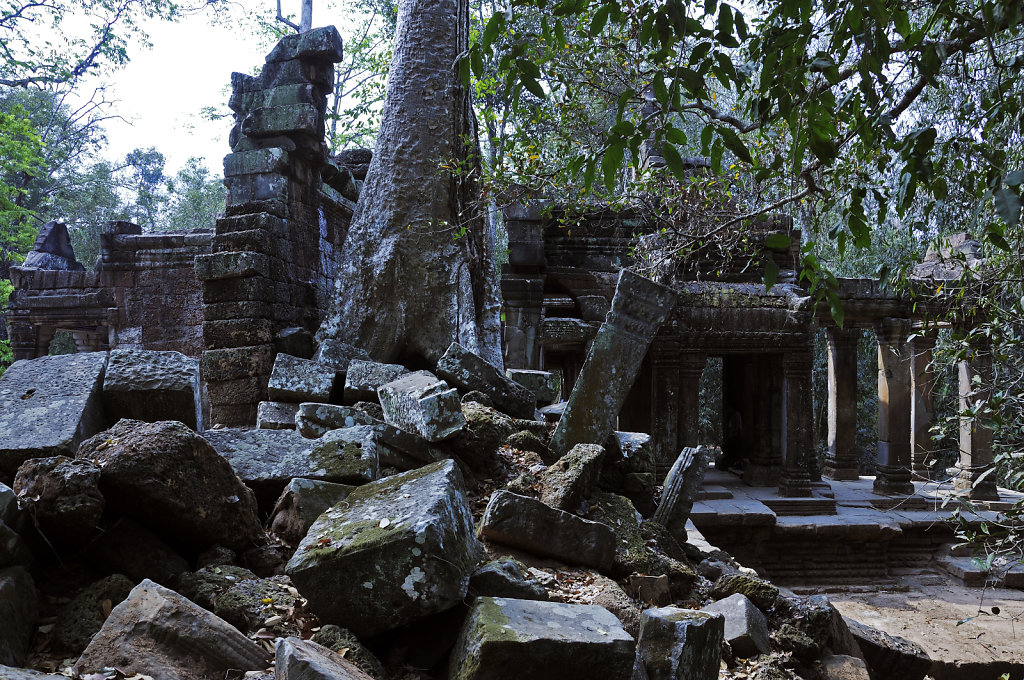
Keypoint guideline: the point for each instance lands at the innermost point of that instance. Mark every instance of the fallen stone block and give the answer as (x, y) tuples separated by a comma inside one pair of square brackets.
[(545, 385), (890, 656), (298, 659), (301, 502), (240, 597), (531, 525), (394, 551), (48, 406), (652, 590), (84, 615), (527, 441), (505, 577), (342, 641), (149, 385), (682, 485), (169, 478), (159, 633), (338, 355), (679, 644), (131, 549), (477, 443), (471, 372), (276, 415), (315, 420), (19, 608), (350, 454), (421, 403), (746, 629), (573, 478), (763, 594), (364, 378), (511, 639), (612, 597), (295, 379), (63, 496)]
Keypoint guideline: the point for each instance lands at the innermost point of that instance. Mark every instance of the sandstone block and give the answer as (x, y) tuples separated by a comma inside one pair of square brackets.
[(299, 380), (276, 415), (149, 385), (679, 644), (471, 372), (571, 480), (315, 419), (421, 403), (231, 265), (338, 355), (545, 385), (301, 503), (746, 629), (297, 659), (505, 577), (62, 495), (363, 378)]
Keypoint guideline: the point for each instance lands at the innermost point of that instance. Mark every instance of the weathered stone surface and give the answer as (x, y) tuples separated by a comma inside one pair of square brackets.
[(679, 644), (315, 419), (638, 309), (170, 479), (240, 597), (237, 264), (296, 341), (545, 385), (471, 372), (13, 549), (149, 385), (682, 484), (763, 594), (746, 629), (612, 597), (84, 615), (527, 441), (48, 406), (301, 502), (510, 639), (652, 590), (350, 453), (505, 577), (842, 667), (890, 656), (342, 641), (527, 523), (10, 673), (394, 551), (131, 549), (18, 611), (338, 355), (10, 514), (276, 415), (320, 44), (573, 478), (298, 659), (62, 495), (627, 453), (363, 378), (295, 379), (159, 633), (791, 639), (53, 249), (477, 443), (421, 403)]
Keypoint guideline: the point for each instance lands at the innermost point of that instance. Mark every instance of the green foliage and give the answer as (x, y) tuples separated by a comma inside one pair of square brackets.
[(20, 148), (195, 198)]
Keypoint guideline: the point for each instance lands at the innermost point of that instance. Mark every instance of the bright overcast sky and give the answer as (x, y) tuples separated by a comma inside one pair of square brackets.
[(162, 91)]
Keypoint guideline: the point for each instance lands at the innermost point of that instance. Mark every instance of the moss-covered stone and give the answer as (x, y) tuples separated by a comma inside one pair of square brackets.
[(342, 641), (761, 593), (85, 614), (525, 440), (477, 444), (792, 639), (239, 597)]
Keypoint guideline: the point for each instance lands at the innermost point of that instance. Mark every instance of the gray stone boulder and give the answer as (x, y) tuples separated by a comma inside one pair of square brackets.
[(471, 372), (505, 577), (682, 485), (159, 633), (763, 594), (298, 659), (295, 379), (13, 549), (301, 503), (477, 443), (529, 524), (315, 419), (746, 628), (524, 440), (679, 644), (545, 385), (394, 551), (276, 415), (53, 250), (890, 656), (84, 615), (342, 641), (843, 667), (9, 673), (169, 478), (63, 496), (511, 639), (612, 597), (151, 386), (10, 513), (19, 608), (572, 478), (421, 403), (48, 406), (364, 378)]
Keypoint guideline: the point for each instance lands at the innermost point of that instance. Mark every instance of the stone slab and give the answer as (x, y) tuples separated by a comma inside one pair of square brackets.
[(152, 385), (471, 372)]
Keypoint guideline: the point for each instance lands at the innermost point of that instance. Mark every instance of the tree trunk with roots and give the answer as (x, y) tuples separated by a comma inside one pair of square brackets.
[(416, 269)]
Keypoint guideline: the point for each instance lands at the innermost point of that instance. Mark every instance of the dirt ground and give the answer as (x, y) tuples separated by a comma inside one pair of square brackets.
[(974, 633)]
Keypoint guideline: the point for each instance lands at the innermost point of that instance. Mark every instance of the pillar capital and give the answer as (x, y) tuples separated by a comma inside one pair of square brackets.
[(892, 331)]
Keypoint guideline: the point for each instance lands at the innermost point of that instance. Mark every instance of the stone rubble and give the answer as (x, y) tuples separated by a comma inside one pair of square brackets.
[(421, 403)]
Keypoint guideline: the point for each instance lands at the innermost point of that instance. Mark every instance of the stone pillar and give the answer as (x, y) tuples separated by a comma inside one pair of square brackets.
[(23, 340), (764, 465), (638, 310), (797, 424), (892, 465), (841, 461), (976, 455), (522, 285), (922, 410)]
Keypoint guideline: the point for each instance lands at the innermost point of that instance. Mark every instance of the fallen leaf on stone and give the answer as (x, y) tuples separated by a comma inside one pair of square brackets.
[(267, 600), (107, 607), (264, 634), (273, 620)]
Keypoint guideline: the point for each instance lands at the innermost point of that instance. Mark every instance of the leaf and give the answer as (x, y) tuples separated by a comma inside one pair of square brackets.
[(494, 26), (777, 241), (464, 71), (675, 135), (1008, 206), (771, 274), (660, 90), (532, 85), (691, 80), (611, 163), (1014, 179), (735, 144), (597, 24), (588, 174), (477, 62), (673, 160)]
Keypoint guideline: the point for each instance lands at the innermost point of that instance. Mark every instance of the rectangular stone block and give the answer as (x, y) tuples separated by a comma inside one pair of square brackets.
[(421, 403), (272, 160), (322, 44), (363, 378), (231, 265), (223, 333), (267, 121), (545, 385), (237, 362), (150, 386), (276, 415), (298, 380), (250, 289), (272, 224), (470, 372), (250, 240), (234, 310)]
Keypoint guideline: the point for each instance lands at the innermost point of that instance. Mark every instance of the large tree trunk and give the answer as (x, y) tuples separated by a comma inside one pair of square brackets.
[(417, 267)]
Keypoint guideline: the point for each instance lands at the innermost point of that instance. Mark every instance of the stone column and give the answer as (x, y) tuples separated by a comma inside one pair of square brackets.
[(523, 302), (975, 434), (764, 466), (638, 310), (922, 411), (892, 465), (841, 461), (798, 430)]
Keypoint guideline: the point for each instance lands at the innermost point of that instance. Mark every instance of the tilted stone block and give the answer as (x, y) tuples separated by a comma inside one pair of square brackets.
[(470, 372), (364, 378), (545, 385), (295, 379), (150, 385), (338, 355), (529, 524), (48, 406), (505, 638), (682, 484), (573, 477), (421, 403), (679, 644), (746, 628), (394, 551), (297, 659), (320, 43)]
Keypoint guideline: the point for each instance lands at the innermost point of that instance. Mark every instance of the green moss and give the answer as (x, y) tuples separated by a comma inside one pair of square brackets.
[(354, 536), (761, 593), (491, 622)]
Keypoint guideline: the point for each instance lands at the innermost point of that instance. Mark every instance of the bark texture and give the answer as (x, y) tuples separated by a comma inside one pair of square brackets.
[(417, 269)]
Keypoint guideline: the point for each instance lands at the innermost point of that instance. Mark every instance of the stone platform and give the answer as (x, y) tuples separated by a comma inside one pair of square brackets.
[(844, 534)]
